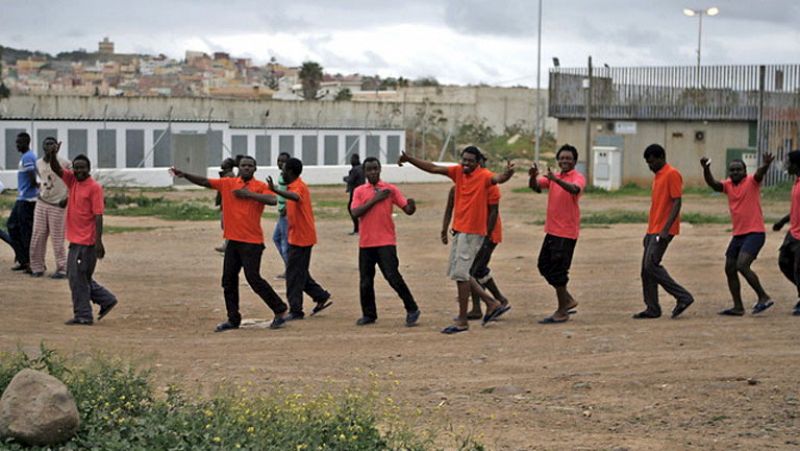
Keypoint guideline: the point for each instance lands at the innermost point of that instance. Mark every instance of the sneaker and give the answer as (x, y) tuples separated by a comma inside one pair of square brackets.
[(294, 316), (412, 318), (78, 322), (277, 323), (796, 311), (37, 274), (58, 275), (227, 325), (105, 310), (281, 276), (364, 320)]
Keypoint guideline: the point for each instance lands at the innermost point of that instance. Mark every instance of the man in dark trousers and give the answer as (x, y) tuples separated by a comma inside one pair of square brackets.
[(789, 256), (470, 221), (744, 202), (372, 205), (354, 179), (243, 198), (302, 238), (85, 235), (20, 222), (561, 226), (663, 225)]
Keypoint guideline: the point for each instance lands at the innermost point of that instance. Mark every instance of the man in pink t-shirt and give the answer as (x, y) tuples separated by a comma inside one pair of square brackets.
[(372, 207), (744, 202), (789, 256), (561, 226), (85, 235)]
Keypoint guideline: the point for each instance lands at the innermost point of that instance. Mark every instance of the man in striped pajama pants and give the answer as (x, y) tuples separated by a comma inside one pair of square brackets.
[(48, 217)]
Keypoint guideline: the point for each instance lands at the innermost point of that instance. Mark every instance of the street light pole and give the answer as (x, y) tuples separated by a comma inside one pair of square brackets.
[(538, 88), (713, 11)]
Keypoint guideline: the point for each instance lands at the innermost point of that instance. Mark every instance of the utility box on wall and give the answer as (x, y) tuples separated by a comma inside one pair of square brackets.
[(607, 167)]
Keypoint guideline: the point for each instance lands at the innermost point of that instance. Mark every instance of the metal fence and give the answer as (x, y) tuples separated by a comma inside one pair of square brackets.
[(768, 95)]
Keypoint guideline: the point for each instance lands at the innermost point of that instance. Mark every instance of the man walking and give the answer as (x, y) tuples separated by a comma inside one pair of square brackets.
[(302, 238), (354, 179), (243, 198), (749, 236), (280, 236), (49, 214), (561, 226), (663, 225), (372, 206), (789, 256), (470, 226), (20, 222), (84, 222)]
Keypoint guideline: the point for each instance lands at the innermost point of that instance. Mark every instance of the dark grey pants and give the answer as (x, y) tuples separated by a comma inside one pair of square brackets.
[(789, 260), (299, 280), (81, 261), (654, 274)]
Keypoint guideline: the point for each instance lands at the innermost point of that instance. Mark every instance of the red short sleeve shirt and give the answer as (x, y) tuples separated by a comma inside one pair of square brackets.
[(667, 186), (744, 203), (494, 199), (85, 202), (563, 213), (470, 212), (299, 214), (241, 217), (376, 227)]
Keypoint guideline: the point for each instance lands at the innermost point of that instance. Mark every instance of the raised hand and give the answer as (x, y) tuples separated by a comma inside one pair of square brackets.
[(509, 167), (270, 183), (175, 172), (549, 175), (768, 158), (403, 158), (705, 162), (533, 171)]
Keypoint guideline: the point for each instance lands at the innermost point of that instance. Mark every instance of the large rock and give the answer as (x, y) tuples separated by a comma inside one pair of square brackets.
[(38, 409)]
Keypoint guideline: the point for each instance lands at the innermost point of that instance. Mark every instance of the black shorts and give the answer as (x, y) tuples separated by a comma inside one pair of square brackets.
[(555, 259), (750, 243)]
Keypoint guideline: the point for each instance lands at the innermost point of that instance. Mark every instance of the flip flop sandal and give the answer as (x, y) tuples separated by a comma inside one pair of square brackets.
[(321, 306), (450, 330), (760, 307), (502, 310), (551, 320), (492, 316), (731, 312)]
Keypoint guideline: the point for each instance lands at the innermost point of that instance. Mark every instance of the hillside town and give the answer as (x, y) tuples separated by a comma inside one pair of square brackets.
[(218, 75)]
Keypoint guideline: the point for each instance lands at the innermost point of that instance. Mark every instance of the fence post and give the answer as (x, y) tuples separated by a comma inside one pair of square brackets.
[(588, 144), (760, 125)]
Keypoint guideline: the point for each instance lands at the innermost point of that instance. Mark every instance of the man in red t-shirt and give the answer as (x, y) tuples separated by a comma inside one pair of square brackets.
[(469, 224), (84, 223), (302, 238), (749, 236), (244, 198), (663, 225), (789, 256), (372, 207), (561, 226)]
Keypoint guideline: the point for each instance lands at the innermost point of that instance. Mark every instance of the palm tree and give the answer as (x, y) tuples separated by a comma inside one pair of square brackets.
[(311, 77)]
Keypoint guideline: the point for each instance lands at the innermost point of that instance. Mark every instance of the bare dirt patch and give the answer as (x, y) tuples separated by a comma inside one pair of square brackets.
[(600, 381)]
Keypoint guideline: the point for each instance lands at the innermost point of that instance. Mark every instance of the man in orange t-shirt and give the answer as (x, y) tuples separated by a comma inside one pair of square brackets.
[(302, 238), (561, 226), (749, 236), (663, 225), (244, 199), (789, 256), (469, 224)]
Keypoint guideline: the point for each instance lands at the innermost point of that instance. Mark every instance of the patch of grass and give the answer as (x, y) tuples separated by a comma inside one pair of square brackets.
[(121, 204), (640, 217), (120, 411), (111, 230)]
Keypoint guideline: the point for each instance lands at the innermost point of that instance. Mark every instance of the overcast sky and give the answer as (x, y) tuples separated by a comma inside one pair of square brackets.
[(456, 41)]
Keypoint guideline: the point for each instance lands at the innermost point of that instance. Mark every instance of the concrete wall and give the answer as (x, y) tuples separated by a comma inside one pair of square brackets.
[(313, 175), (678, 138), (499, 107)]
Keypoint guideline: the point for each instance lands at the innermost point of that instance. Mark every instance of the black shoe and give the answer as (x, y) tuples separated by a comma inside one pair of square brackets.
[(412, 318), (364, 320), (796, 311), (646, 314), (227, 325), (37, 274), (277, 323), (58, 275), (680, 308), (294, 316), (104, 310), (21, 267), (79, 322)]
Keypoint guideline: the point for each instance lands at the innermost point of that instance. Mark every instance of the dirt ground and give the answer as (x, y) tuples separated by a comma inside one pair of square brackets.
[(600, 381)]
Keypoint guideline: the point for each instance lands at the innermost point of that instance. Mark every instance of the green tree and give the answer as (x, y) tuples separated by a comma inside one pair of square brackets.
[(311, 78), (343, 94), (426, 81)]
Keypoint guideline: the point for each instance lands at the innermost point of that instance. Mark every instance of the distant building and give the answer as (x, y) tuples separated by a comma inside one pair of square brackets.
[(105, 47)]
